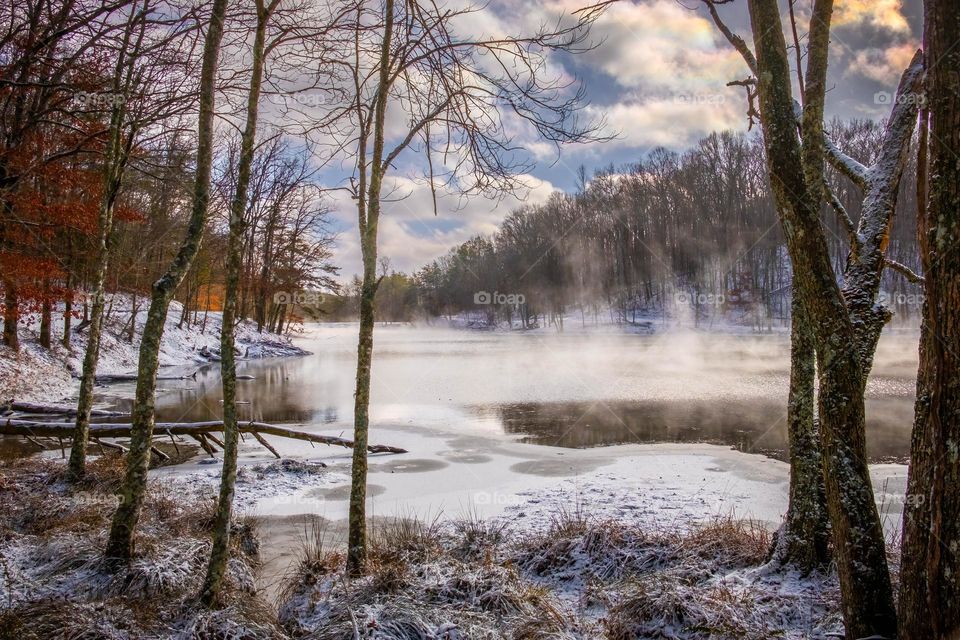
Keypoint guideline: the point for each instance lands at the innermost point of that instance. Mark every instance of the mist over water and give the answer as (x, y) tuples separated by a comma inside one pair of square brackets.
[(572, 389)]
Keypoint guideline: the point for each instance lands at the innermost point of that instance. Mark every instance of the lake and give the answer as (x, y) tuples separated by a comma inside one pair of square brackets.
[(571, 390)]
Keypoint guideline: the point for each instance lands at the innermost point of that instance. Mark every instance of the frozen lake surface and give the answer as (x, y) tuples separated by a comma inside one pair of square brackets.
[(567, 390)]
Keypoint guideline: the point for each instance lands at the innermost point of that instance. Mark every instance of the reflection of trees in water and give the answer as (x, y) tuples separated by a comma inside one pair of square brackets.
[(273, 395), (751, 425)]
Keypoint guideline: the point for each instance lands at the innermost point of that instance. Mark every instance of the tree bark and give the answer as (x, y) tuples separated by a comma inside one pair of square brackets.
[(68, 309), (120, 545), (114, 163), (803, 539), (369, 214), (867, 596), (11, 315), (220, 550), (930, 587), (46, 316)]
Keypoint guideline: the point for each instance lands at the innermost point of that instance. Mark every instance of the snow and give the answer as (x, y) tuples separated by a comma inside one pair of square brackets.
[(36, 374)]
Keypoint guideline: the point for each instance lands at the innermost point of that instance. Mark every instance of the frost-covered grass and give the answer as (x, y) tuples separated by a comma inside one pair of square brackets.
[(576, 576), (579, 578), (54, 583)]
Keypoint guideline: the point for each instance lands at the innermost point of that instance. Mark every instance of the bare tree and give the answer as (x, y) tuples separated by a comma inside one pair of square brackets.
[(220, 550), (146, 88), (455, 93), (846, 323), (120, 544), (48, 52)]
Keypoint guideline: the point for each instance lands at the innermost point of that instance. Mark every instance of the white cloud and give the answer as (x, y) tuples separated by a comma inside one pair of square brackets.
[(883, 65), (659, 46), (410, 234), (674, 122), (883, 14)]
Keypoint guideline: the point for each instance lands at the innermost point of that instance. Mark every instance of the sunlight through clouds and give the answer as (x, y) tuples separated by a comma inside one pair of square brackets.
[(885, 14)]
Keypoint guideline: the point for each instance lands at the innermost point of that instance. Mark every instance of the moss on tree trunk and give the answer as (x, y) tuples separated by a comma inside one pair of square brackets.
[(930, 588), (120, 544)]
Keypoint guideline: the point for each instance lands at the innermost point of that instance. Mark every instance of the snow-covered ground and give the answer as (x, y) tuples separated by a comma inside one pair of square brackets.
[(449, 477), (36, 374)]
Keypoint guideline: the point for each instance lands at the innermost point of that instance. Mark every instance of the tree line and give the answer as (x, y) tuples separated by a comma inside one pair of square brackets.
[(675, 232)]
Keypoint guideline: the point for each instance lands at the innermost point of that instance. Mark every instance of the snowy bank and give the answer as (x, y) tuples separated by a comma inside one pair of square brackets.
[(40, 375), (55, 583), (577, 576)]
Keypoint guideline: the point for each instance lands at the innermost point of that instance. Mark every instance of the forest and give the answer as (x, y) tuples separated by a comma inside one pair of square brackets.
[(698, 228), (178, 180)]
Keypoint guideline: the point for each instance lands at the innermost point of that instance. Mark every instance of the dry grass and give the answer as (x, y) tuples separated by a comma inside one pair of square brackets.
[(581, 578), (420, 584), (54, 584)]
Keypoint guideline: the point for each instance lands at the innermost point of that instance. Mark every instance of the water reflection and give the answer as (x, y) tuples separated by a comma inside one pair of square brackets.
[(752, 426), (561, 390)]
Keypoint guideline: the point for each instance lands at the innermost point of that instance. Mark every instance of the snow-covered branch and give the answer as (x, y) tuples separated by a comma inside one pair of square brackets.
[(904, 270), (853, 169)]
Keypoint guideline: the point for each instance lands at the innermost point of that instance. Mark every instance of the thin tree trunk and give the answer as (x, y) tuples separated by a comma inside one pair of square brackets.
[(930, 587), (120, 545), (68, 310), (46, 316), (114, 163), (369, 213), (220, 550), (803, 539), (11, 315)]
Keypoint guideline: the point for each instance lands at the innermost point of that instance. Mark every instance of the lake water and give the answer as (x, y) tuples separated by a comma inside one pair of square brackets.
[(567, 390)]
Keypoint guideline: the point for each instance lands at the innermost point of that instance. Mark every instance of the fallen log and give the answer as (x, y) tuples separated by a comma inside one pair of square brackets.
[(61, 410), (132, 377), (27, 428)]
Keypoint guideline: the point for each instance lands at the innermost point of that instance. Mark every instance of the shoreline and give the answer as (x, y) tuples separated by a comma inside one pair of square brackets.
[(449, 477)]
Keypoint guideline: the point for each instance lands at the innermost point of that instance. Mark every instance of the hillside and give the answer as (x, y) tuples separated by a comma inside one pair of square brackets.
[(49, 375)]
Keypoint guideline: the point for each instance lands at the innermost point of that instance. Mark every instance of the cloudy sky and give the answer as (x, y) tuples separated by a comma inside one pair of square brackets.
[(657, 78)]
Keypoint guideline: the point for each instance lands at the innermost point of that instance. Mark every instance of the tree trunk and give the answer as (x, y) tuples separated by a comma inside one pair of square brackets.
[(867, 595), (357, 543), (68, 311), (46, 316), (368, 206), (803, 539), (114, 163), (220, 549), (11, 315), (120, 545), (930, 588)]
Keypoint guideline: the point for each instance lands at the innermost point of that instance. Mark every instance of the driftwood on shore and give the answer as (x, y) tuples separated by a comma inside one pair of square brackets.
[(132, 377), (201, 431), (33, 408)]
